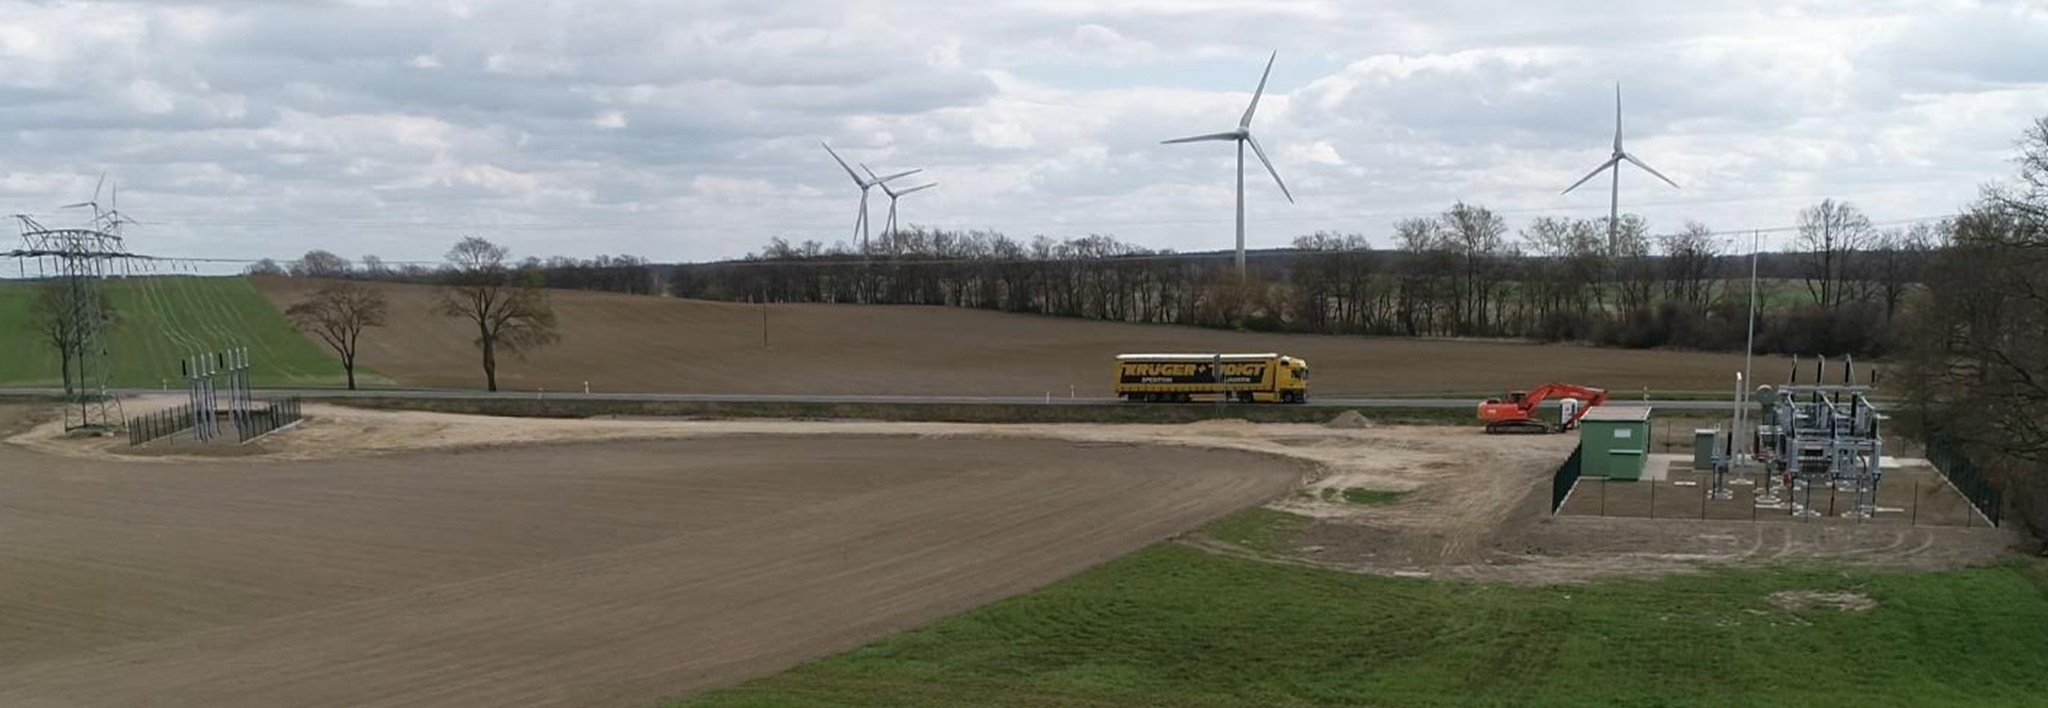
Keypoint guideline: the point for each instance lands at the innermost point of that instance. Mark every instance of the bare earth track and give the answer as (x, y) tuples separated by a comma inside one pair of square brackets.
[(583, 575), (629, 343)]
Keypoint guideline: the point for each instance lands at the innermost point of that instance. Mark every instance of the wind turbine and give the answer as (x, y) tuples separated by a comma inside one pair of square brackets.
[(1614, 163), (94, 202), (860, 223), (1243, 136), (889, 226)]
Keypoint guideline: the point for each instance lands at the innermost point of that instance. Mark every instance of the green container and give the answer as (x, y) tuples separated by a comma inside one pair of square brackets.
[(1614, 442)]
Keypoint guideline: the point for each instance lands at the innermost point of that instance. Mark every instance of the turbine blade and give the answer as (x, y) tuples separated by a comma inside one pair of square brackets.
[(1617, 117), (75, 206), (1269, 167), (842, 163), (898, 175), (918, 188), (1246, 122), (1647, 168), (96, 186), (870, 170), (1590, 175), (1212, 136)]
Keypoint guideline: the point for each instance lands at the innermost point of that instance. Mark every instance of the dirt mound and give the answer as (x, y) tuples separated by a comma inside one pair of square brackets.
[(1350, 420), (1806, 599)]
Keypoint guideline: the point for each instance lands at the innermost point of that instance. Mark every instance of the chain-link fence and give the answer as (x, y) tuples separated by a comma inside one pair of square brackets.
[(1973, 482)]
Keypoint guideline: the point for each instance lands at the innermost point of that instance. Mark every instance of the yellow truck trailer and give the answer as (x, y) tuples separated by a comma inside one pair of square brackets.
[(1248, 378)]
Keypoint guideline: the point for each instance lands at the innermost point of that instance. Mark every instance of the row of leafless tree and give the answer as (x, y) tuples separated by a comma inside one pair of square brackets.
[(1460, 273)]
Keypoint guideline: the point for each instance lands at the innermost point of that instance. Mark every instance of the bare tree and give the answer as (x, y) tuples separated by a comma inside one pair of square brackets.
[(338, 313), (373, 267), (320, 264), (265, 267), (1831, 235), (1691, 265), (509, 307), (60, 314)]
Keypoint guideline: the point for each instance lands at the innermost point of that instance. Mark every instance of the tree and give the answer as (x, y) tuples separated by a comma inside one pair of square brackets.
[(63, 314), (1691, 264), (320, 264), (1831, 234), (338, 313), (373, 267), (509, 307), (265, 267), (1976, 371)]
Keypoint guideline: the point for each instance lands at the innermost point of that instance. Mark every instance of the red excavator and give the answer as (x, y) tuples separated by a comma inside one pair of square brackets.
[(1517, 414)]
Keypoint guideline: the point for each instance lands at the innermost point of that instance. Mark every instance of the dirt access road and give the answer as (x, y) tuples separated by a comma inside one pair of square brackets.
[(629, 343), (585, 575)]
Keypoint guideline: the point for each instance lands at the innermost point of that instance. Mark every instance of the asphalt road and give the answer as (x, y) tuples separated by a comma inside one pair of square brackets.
[(1314, 401)]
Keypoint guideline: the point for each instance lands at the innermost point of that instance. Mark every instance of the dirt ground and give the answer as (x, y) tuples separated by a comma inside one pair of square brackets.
[(576, 575), (635, 343), (401, 558)]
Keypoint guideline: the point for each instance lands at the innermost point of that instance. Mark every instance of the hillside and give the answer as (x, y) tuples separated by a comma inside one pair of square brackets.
[(637, 343), (161, 320)]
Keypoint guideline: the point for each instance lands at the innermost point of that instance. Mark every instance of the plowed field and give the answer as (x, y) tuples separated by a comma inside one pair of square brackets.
[(624, 343), (596, 575)]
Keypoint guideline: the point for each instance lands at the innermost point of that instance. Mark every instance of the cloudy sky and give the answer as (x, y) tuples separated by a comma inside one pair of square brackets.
[(689, 129)]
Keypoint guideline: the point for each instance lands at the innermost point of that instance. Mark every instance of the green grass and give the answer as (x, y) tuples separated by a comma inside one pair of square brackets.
[(1259, 529), (163, 319), (1368, 497), (1175, 626)]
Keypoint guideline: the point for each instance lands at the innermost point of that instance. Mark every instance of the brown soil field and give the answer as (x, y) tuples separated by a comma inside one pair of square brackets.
[(580, 575), (624, 343)]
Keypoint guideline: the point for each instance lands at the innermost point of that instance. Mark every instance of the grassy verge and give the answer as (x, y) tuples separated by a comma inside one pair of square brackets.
[(1175, 626), (926, 412)]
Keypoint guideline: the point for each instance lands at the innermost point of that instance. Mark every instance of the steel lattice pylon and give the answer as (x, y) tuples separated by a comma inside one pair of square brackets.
[(80, 259)]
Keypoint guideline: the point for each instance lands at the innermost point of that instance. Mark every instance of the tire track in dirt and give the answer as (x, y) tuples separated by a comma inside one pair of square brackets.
[(895, 533)]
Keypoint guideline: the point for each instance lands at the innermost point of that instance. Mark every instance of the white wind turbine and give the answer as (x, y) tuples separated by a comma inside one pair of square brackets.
[(1614, 163), (889, 225), (1243, 136), (860, 223)]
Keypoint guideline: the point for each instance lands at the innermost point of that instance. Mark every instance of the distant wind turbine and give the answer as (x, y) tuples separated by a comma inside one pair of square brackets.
[(94, 202), (889, 226), (860, 223), (1243, 136), (1614, 163)]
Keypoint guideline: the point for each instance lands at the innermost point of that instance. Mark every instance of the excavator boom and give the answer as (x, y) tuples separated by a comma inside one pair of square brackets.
[(1518, 412)]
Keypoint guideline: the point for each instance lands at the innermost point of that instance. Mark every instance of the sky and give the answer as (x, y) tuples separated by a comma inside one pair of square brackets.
[(690, 130)]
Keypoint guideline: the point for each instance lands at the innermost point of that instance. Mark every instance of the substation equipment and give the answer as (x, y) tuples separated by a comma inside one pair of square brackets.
[(1818, 436)]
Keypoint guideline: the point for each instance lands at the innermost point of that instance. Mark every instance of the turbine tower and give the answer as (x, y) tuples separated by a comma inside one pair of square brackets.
[(1243, 136), (1614, 163), (860, 223), (889, 226)]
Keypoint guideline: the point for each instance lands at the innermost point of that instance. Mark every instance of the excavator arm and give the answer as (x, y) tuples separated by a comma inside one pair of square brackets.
[(1518, 413)]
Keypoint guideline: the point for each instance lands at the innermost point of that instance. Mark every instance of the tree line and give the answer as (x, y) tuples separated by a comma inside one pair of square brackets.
[(1460, 273)]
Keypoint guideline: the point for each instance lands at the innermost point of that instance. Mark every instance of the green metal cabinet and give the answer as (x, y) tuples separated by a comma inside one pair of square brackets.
[(1614, 442)]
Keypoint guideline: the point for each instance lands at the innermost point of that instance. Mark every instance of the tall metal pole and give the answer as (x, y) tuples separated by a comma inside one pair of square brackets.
[(1614, 202), (1240, 209), (1749, 347)]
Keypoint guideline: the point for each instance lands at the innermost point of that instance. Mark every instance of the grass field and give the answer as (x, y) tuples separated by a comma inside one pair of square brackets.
[(161, 320), (1178, 626)]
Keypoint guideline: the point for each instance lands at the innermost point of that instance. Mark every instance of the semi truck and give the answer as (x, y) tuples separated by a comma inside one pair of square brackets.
[(1182, 378)]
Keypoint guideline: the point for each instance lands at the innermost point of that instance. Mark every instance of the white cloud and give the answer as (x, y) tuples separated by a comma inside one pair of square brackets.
[(690, 131)]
